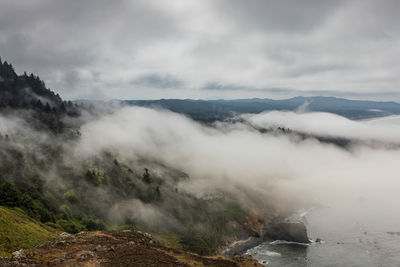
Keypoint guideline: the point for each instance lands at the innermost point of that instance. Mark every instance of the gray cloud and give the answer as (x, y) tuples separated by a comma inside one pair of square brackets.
[(224, 87), (158, 81), (82, 47), (286, 16)]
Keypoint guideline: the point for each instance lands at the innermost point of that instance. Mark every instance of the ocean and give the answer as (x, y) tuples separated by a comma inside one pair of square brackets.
[(362, 232), (344, 242)]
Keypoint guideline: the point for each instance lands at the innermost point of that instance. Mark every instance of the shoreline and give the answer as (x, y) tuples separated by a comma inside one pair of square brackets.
[(240, 247), (291, 228)]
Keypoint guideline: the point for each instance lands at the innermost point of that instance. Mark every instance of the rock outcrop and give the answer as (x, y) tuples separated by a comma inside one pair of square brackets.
[(288, 231), (114, 248), (291, 229)]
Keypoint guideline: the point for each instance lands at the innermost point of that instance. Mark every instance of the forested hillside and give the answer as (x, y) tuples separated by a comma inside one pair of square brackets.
[(41, 173), (83, 167), (28, 93)]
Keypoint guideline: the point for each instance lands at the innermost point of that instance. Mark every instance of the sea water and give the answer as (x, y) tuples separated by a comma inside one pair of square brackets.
[(343, 243), (349, 234)]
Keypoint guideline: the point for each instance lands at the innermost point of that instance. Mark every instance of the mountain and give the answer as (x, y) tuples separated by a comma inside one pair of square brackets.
[(29, 93), (45, 173), (212, 110), (42, 175)]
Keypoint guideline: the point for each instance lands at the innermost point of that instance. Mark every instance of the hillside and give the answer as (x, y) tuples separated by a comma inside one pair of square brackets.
[(43, 173), (126, 248), (78, 169), (25, 92), (19, 231)]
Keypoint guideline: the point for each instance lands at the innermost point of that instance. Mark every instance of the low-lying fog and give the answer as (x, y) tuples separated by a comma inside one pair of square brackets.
[(363, 181)]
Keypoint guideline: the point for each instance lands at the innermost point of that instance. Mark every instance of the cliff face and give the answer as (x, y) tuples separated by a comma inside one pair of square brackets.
[(261, 225), (113, 248)]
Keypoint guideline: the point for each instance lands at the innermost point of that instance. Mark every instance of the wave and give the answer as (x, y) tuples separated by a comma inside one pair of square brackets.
[(284, 242), (269, 253)]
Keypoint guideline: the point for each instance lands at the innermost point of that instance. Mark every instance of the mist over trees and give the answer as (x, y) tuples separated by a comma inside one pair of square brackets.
[(198, 185), (41, 174), (28, 92)]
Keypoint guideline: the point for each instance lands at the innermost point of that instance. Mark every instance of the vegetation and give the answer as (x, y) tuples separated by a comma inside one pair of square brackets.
[(19, 231), (43, 186), (22, 92)]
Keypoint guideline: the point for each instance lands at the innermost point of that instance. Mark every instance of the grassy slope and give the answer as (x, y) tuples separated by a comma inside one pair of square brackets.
[(19, 231)]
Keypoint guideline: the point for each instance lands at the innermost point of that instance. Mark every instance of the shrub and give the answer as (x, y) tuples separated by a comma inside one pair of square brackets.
[(68, 226), (10, 195), (198, 243), (66, 210), (70, 196), (93, 225), (95, 176)]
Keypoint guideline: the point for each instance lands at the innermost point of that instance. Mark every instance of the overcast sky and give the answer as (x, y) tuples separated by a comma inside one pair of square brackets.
[(102, 49)]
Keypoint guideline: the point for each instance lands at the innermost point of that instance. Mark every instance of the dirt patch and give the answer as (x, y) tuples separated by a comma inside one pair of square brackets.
[(114, 248)]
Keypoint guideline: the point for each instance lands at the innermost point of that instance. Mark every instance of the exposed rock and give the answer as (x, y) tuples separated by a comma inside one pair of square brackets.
[(18, 255), (288, 231), (241, 246), (113, 248), (18, 259), (148, 235), (64, 235)]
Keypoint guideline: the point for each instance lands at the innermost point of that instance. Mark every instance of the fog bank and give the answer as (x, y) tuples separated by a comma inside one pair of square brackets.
[(231, 154)]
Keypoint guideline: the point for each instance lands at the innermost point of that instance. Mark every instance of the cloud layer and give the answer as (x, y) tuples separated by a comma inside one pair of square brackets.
[(159, 49), (227, 155)]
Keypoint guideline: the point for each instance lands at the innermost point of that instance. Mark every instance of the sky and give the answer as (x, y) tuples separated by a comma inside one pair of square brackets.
[(208, 49)]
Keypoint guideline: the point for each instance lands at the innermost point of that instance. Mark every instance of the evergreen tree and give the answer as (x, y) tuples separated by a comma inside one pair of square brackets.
[(146, 176)]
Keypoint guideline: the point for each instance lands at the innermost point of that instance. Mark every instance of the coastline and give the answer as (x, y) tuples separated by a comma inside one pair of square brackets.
[(240, 247), (290, 229)]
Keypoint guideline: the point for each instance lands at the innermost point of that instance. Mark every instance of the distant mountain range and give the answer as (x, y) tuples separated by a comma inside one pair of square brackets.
[(212, 110)]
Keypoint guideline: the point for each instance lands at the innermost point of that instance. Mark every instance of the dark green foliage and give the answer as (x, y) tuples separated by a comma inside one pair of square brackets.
[(29, 92), (69, 226), (54, 225), (10, 196), (44, 214), (91, 176), (197, 242), (91, 188), (42, 177), (93, 224), (70, 196), (94, 176), (146, 176)]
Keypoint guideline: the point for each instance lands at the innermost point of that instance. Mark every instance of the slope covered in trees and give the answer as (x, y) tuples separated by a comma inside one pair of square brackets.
[(27, 92), (41, 174)]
